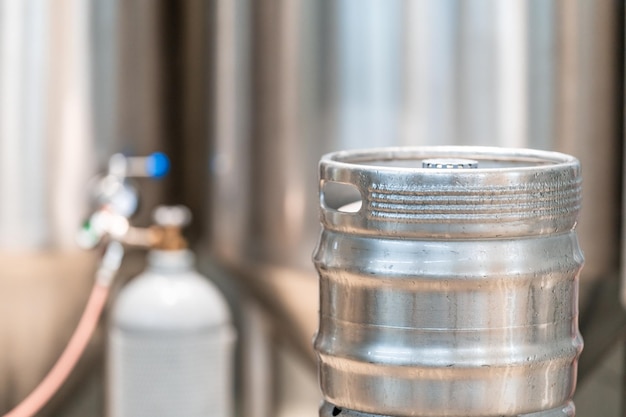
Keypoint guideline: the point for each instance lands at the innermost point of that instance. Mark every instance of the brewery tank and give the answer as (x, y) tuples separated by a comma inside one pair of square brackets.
[(297, 79), (80, 80)]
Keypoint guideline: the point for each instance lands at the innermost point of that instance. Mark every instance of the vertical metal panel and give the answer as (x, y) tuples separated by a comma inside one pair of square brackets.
[(369, 78), (429, 102), (229, 164), (542, 74), (477, 49)]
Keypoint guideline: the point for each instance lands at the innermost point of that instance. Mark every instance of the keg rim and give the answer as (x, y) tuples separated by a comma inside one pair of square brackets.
[(531, 192), (358, 158)]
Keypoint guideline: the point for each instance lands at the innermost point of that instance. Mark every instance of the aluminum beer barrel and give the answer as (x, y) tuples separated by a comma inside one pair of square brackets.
[(449, 282)]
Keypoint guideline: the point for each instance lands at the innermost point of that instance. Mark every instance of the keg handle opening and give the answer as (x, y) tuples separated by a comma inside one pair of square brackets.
[(340, 197)]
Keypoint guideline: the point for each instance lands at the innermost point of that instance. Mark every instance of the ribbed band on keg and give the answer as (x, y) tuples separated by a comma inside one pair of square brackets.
[(512, 192)]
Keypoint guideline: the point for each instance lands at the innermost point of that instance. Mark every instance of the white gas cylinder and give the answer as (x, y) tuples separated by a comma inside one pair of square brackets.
[(171, 341)]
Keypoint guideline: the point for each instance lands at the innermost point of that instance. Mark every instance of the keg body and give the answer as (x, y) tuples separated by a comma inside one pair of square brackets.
[(450, 292)]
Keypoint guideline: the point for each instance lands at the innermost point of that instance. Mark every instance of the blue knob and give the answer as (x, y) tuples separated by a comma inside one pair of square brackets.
[(157, 165)]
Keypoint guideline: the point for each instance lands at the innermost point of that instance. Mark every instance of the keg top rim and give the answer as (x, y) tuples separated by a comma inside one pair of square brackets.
[(512, 192), (498, 159)]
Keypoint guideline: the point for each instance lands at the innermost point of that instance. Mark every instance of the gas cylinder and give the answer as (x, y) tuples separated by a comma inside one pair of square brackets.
[(449, 287), (170, 347)]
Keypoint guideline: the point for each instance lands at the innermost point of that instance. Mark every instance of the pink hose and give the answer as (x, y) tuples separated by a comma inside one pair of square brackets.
[(68, 359)]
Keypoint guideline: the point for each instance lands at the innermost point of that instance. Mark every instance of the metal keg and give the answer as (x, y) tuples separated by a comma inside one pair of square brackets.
[(449, 287)]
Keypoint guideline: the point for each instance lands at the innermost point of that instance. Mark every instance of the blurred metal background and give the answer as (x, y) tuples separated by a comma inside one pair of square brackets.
[(79, 80), (296, 79), (245, 96)]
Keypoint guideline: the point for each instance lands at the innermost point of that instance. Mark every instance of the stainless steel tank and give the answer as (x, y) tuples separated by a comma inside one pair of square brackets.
[(449, 289), (295, 79), (80, 80)]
